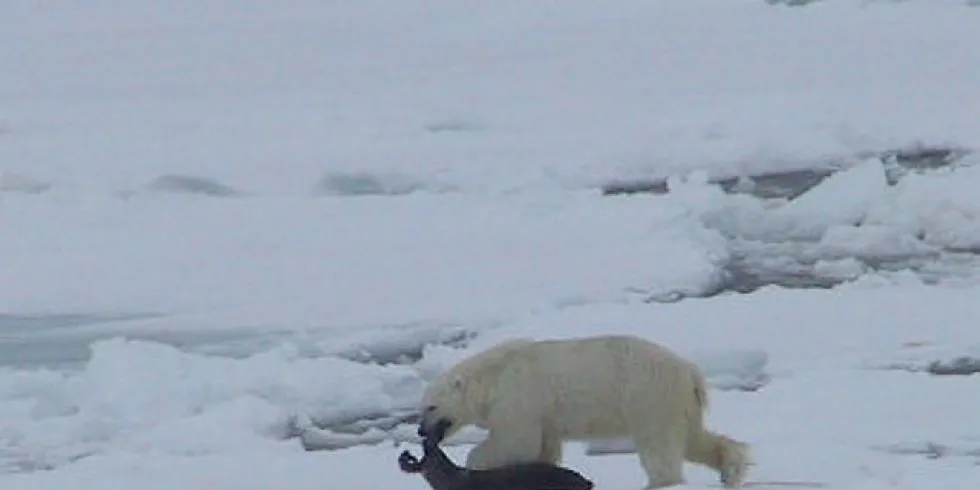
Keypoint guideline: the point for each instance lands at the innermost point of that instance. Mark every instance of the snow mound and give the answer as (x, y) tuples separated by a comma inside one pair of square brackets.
[(841, 199), (852, 224), (743, 370), (151, 397), (938, 207), (401, 344), (148, 397)]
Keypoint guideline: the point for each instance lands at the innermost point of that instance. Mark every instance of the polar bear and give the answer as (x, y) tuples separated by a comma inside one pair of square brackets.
[(532, 395)]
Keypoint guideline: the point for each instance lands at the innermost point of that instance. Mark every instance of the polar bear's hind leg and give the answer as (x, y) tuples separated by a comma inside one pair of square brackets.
[(661, 451)]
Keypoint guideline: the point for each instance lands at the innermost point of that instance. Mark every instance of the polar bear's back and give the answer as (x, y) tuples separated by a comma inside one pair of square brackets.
[(609, 358), (490, 361), (593, 382)]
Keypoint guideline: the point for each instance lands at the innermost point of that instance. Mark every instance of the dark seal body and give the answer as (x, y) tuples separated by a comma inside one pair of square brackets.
[(442, 474)]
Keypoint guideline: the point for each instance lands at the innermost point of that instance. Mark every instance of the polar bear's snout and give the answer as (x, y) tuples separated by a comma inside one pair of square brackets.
[(434, 425)]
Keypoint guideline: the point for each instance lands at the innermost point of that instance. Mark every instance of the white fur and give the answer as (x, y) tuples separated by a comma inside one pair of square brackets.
[(533, 395)]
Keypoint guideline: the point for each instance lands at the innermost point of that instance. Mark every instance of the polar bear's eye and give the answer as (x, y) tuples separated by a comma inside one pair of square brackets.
[(430, 408)]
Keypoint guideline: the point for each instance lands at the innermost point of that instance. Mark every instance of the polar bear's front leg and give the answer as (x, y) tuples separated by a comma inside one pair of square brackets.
[(506, 446), (551, 447)]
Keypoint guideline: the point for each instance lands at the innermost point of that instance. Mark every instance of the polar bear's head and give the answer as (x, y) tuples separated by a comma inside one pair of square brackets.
[(461, 395), (444, 407)]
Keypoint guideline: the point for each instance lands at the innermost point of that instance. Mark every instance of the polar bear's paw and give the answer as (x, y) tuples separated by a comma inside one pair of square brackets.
[(735, 461)]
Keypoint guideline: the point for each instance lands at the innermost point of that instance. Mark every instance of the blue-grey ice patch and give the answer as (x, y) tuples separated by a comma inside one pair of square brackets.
[(191, 184), (967, 448), (369, 184), (792, 3), (938, 361), (51, 340), (961, 365), (452, 125), (19, 183)]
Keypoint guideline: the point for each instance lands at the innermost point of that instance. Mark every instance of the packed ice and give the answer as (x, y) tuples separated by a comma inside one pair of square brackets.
[(237, 239)]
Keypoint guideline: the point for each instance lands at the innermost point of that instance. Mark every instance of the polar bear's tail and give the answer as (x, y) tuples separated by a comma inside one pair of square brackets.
[(729, 457)]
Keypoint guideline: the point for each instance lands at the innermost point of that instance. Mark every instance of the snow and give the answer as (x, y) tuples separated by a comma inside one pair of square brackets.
[(230, 230)]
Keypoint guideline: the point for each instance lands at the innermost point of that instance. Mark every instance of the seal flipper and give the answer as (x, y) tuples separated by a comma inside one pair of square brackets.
[(409, 463)]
